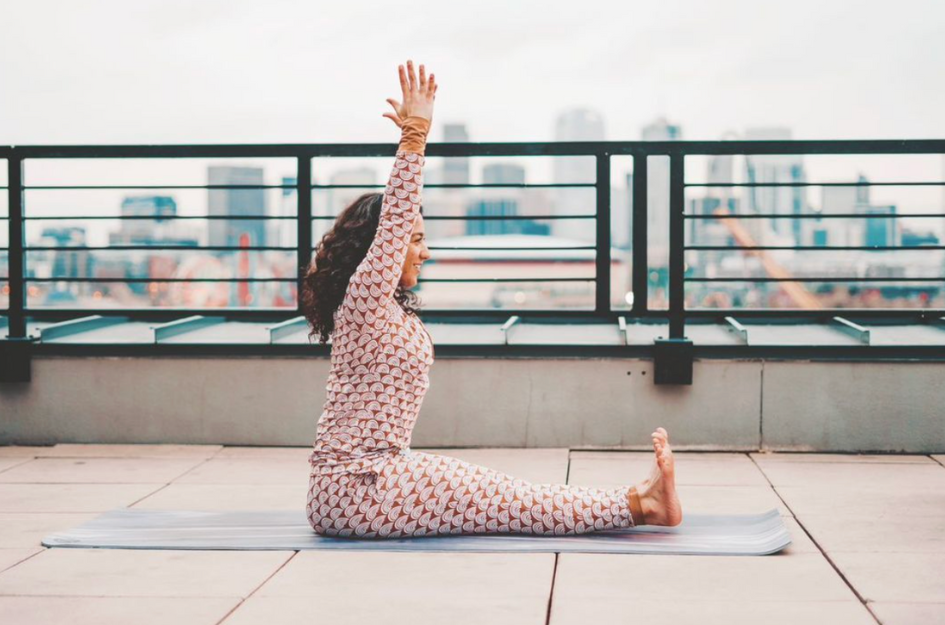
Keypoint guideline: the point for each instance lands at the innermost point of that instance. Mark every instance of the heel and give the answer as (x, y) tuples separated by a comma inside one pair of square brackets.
[(636, 508)]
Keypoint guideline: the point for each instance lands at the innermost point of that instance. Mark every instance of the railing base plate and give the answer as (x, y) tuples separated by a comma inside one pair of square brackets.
[(15, 360), (673, 361)]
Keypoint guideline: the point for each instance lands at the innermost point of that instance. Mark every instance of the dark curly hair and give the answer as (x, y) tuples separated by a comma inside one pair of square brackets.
[(337, 256)]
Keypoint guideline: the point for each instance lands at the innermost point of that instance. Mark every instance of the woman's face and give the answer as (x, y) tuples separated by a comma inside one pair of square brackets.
[(417, 254)]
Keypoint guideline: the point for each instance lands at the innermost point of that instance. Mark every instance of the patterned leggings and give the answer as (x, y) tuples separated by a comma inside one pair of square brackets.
[(418, 494)]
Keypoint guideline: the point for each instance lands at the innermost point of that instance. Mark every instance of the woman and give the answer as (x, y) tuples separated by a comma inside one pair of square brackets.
[(366, 482)]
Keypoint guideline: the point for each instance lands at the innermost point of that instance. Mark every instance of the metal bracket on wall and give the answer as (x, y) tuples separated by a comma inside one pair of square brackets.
[(508, 326), (853, 329), (622, 324), (16, 355), (738, 329), (672, 360)]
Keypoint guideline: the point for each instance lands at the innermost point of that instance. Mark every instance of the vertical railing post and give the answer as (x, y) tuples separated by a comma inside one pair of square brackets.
[(17, 319), (677, 206), (641, 268), (304, 224), (602, 291)]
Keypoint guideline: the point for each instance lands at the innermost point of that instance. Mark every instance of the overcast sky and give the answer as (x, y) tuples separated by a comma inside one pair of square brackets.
[(233, 71)]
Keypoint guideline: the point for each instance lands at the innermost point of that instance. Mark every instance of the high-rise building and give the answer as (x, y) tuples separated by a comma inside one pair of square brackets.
[(455, 169), (236, 202), (578, 124), (283, 232), (501, 202), (779, 200), (657, 182)]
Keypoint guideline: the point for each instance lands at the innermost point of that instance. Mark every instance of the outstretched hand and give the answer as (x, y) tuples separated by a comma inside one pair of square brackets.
[(418, 96)]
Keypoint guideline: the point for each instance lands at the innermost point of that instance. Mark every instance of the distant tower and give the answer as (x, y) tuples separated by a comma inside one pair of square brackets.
[(236, 202), (576, 125), (787, 200), (455, 169), (657, 182)]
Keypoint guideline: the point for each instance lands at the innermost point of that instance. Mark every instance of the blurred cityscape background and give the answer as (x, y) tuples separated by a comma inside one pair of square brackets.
[(163, 203)]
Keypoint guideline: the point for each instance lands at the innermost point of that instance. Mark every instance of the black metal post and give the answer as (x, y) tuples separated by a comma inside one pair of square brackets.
[(602, 291), (17, 318), (641, 268), (677, 254), (304, 210)]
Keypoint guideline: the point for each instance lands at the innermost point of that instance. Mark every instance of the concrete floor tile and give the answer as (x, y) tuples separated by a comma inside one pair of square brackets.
[(13, 461), (841, 458), (22, 451), (412, 607), (141, 573), (114, 610), (71, 497), (27, 529), (870, 534), (850, 612), (12, 557), (619, 581), (730, 500), (539, 466), (862, 502), (631, 468), (223, 497), (364, 587), (271, 453), (902, 477), (249, 471), (939, 458), (82, 450), (648, 454), (909, 613), (896, 577), (99, 470)]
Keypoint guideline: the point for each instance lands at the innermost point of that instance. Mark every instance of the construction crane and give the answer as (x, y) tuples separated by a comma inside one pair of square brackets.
[(795, 290)]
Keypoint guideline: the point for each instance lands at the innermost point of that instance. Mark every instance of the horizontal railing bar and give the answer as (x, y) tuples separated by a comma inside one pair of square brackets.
[(817, 279), (591, 279), (510, 248), (156, 217), (157, 186), (812, 216), (489, 217), (561, 148), (511, 185), (186, 248), (816, 184), (292, 217), (141, 280), (814, 247)]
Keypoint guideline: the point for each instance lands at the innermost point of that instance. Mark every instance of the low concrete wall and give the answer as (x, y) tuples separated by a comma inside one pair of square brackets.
[(472, 402)]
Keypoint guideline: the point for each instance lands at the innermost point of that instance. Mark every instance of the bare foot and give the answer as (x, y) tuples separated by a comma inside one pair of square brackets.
[(658, 492)]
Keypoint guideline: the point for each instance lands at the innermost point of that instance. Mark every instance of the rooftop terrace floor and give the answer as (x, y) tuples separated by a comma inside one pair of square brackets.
[(868, 545)]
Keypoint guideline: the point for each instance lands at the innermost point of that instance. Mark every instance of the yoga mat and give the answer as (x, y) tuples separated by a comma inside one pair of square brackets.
[(698, 534)]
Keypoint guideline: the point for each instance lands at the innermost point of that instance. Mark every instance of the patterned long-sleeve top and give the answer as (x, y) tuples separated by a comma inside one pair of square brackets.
[(380, 354)]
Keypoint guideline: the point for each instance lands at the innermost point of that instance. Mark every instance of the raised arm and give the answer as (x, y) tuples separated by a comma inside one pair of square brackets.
[(377, 277)]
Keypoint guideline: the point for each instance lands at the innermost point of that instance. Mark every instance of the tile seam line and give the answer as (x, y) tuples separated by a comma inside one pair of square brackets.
[(554, 571), (243, 600), (822, 551)]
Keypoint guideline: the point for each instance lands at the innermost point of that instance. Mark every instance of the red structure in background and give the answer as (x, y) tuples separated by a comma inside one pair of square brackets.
[(243, 294)]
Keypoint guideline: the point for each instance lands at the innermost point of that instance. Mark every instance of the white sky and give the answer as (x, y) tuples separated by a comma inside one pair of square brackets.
[(234, 71)]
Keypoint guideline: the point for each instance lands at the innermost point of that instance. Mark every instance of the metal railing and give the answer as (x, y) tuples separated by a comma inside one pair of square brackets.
[(602, 152)]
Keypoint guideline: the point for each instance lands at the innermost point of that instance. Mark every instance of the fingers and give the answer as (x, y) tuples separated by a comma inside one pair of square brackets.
[(431, 85), (404, 85), (394, 103), (394, 119), (423, 78), (411, 76)]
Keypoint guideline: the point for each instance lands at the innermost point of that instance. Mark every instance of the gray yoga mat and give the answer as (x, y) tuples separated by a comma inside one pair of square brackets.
[(698, 534)]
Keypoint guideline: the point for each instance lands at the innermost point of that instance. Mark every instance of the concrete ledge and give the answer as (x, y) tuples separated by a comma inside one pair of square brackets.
[(590, 403)]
